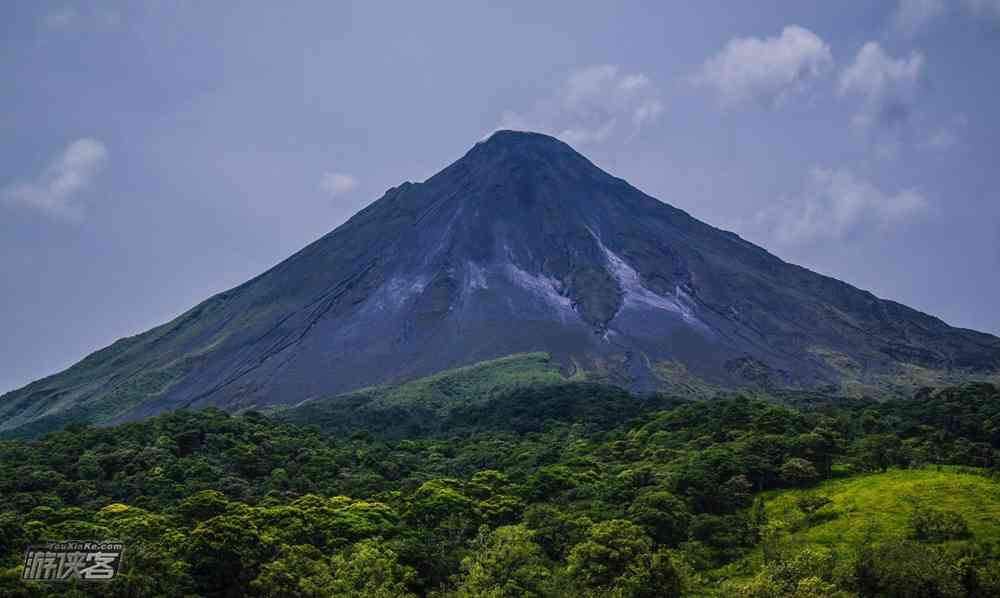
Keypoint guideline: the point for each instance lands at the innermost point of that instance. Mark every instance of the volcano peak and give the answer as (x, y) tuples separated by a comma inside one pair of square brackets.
[(515, 137), (522, 245), (507, 146)]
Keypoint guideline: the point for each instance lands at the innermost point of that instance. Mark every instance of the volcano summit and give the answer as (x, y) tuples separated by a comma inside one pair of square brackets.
[(521, 245)]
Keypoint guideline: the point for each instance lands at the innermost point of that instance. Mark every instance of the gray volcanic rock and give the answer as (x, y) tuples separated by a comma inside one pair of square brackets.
[(521, 245)]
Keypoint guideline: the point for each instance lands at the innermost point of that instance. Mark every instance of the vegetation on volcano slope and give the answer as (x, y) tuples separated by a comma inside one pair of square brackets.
[(559, 490), (407, 408)]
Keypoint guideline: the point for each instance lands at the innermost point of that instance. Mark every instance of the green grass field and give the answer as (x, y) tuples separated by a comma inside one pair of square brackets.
[(872, 508), (472, 383), (878, 506), (439, 393)]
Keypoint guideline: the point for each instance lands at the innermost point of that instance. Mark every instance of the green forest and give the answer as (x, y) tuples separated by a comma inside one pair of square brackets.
[(562, 489)]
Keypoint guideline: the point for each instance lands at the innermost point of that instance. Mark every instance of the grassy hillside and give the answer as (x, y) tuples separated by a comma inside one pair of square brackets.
[(518, 393), (878, 506), (855, 517), (473, 383), (409, 407)]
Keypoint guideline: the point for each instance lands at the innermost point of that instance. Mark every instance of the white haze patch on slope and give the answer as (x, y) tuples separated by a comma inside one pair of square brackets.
[(476, 277), (547, 289), (395, 292), (543, 286), (637, 295)]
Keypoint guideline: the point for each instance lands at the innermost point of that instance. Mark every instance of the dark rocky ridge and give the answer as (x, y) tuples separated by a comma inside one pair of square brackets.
[(521, 245)]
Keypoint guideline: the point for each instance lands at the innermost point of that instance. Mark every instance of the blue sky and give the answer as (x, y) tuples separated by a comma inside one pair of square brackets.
[(154, 153)]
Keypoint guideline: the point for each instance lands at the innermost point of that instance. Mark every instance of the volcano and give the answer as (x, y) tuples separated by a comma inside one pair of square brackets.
[(522, 245)]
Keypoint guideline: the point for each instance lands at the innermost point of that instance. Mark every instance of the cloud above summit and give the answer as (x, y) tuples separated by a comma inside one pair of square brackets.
[(767, 71), (592, 105)]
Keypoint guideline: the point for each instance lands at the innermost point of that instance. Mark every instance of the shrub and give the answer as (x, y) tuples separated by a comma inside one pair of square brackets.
[(798, 472), (810, 503), (935, 525), (906, 570)]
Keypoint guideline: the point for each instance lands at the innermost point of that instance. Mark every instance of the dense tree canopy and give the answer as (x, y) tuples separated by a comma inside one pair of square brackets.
[(573, 490)]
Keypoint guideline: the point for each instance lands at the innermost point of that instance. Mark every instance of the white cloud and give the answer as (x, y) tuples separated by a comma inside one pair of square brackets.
[(768, 70), (593, 105), (336, 183), (648, 111), (838, 205), (584, 85), (885, 85), (583, 135), (56, 190), (634, 82), (913, 16)]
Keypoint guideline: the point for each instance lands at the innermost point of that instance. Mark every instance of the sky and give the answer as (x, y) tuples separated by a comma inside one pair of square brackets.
[(155, 153)]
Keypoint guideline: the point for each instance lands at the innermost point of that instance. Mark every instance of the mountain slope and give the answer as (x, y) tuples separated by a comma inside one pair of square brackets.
[(521, 245)]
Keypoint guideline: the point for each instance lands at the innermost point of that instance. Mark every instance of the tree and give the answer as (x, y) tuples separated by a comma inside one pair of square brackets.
[(810, 503), (798, 472), (757, 518), (88, 466), (610, 548), (298, 572), (807, 573), (203, 505), (500, 509), (554, 530), (653, 576), (935, 525), (442, 510), (369, 570), (550, 481), (617, 558), (907, 570), (438, 501), (662, 515), (365, 570), (879, 452), (225, 552), (820, 447), (736, 492), (713, 480), (504, 563), (11, 534)]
